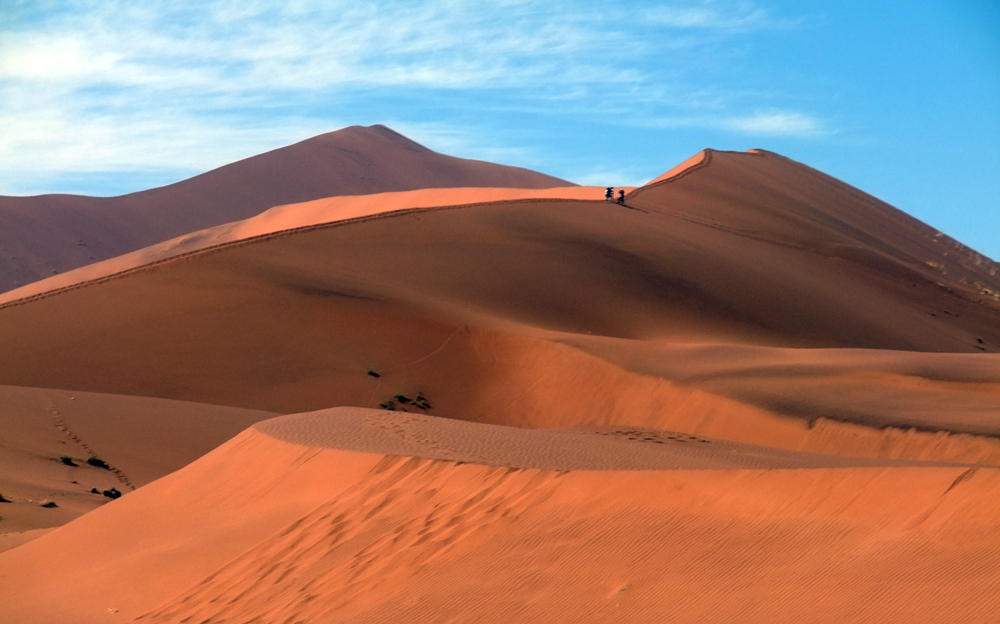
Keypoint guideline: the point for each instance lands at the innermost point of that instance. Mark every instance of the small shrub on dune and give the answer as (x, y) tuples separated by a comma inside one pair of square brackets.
[(3, 500), (97, 462), (66, 459)]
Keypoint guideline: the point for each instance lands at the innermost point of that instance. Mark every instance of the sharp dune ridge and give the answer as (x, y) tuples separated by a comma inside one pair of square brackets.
[(749, 393), (13, 297)]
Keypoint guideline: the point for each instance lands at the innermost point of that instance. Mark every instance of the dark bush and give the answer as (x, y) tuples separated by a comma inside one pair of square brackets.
[(66, 459), (97, 462)]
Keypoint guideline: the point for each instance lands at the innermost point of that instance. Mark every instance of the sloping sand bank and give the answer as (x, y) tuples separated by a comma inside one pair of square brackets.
[(280, 531), (292, 216), (140, 439)]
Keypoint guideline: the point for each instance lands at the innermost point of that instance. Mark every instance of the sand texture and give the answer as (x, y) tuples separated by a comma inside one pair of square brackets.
[(269, 529), (750, 394), (138, 438), (49, 234), (293, 216)]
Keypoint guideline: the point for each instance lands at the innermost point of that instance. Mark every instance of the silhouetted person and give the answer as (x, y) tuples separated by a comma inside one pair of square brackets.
[(610, 194), (621, 197)]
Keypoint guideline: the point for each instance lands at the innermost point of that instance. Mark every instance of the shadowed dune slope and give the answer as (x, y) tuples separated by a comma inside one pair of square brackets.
[(876, 388), (293, 216), (272, 529), (44, 234)]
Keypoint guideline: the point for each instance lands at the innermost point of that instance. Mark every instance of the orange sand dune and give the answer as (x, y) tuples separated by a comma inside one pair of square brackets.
[(140, 439), (51, 234), (752, 393), (277, 530), (293, 216), (877, 388), (739, 249)]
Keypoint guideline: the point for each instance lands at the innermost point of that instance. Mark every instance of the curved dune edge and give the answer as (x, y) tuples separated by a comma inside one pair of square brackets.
[(699, 160), (606, 448), (537, 383), (294, 217), (931, 392), (242, 242), (269, 529)]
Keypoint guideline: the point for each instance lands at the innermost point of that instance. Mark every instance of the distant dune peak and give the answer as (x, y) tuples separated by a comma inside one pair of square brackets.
[(389, 133)]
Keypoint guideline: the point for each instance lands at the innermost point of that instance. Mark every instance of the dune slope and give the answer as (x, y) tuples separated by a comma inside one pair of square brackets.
[(292, 216), (277, 529), (140, 439), (47, 234), (291, 321), (752, 393)]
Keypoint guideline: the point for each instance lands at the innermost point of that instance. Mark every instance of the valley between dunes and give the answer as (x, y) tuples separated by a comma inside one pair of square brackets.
[(751, 393)]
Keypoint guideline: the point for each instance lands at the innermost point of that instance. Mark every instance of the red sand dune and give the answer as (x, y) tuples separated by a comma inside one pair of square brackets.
[(50, 234), (290, 322), (753, 393), (287, 529), (293, 216), (140, 438)]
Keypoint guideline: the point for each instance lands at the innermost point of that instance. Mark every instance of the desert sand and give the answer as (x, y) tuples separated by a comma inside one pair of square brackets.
[(293, 216), (752, 393), (305, 521)]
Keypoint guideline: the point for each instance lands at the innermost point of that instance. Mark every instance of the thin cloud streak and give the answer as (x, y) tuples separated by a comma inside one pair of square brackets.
[(114, 85)]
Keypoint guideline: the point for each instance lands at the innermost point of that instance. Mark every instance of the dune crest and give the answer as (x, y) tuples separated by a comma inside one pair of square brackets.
[(699, 160), (291, 217)]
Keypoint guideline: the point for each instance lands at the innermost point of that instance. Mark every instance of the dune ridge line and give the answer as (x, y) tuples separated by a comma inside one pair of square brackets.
[(280, 234)]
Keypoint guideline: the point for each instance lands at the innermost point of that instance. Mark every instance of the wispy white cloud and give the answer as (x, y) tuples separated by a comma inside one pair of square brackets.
[(116, 84), (778, 123), (770, 123)]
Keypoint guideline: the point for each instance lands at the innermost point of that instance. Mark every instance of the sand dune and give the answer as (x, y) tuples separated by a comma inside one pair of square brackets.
[(753, 393), (50, 234), (139, 438), (929, 391), (293, 216), (292, 321), (606, 448), (272, 529)]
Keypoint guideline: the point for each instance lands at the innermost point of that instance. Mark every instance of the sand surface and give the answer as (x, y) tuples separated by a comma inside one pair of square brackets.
[(269, 529), (140, 439), (753, 393), (603, 448), (50, 234), (280, 218)]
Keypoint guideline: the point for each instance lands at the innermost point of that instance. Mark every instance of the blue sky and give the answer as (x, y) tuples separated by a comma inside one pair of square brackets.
[(901, 99)]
